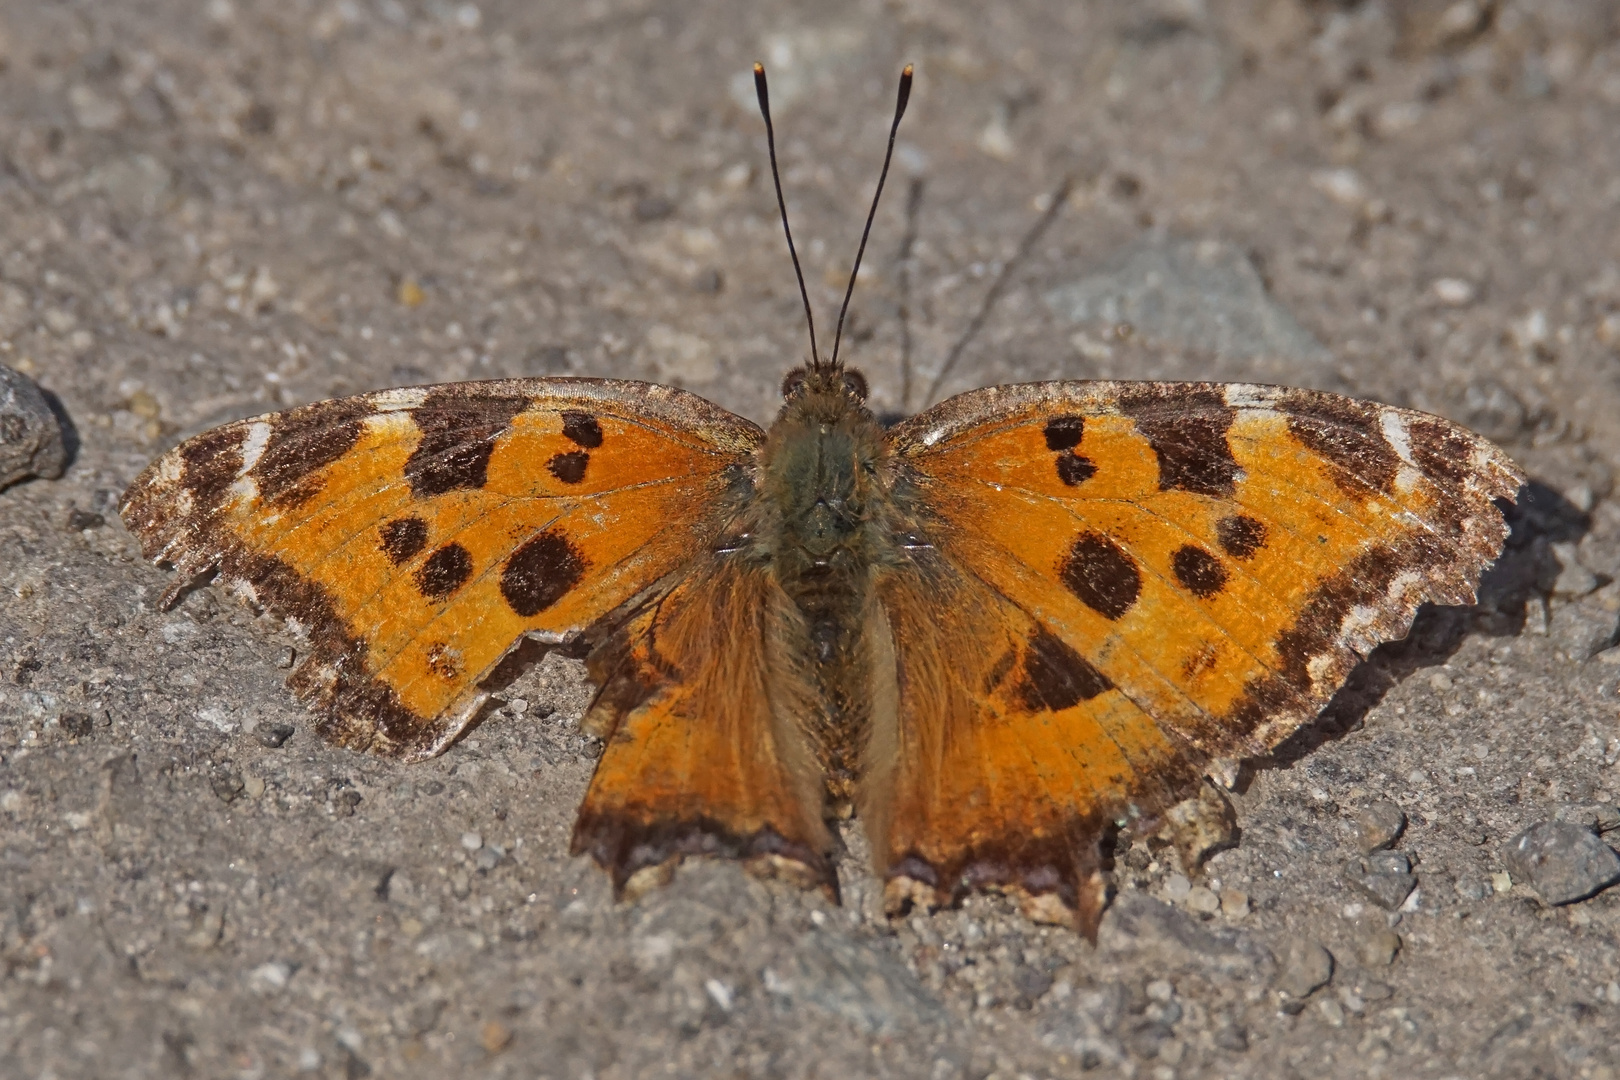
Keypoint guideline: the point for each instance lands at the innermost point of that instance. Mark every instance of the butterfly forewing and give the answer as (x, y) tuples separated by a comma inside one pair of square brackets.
[(1219, 556), (417, 534)]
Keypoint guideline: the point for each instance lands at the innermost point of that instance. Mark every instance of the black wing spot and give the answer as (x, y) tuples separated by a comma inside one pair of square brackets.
[(541, 572), (569, 467), (458, 437), (1241, 536), (1101, 574), (582, 429), (302, 443), (1348, 433), (1073, 469), (1056, 677), (1187, 432), (403, 539), (1065, 432), (445, 571), (1198, 571)]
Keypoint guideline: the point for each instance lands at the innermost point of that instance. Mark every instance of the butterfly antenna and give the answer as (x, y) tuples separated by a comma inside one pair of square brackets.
[(888, 155), (781, 204)]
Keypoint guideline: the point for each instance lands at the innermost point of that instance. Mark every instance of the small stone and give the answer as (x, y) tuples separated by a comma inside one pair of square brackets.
[(1378, 949), (1343, 186), (31, 437), (489, 857), (708, 282), (471, 841), (1389, 862), (460, 883), (273, 736), (76, 725), (1586, 627), (82, 520), (1563, 862), (1031, 982), (494, 1037), (1379, 824), (1200, 826), (285, 659), (653, 208), (1331, 1011), (1574, 580), (1501, 883), (1234, 903), (227, 785), (1177, 888), (94, 111), (1203, 900), (1385, 884), (1453, 292), (1147, 1039), (1306, 966), (1599, 817), (254, 786)]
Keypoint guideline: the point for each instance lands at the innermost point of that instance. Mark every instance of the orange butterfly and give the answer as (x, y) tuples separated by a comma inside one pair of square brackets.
[(993, 631)]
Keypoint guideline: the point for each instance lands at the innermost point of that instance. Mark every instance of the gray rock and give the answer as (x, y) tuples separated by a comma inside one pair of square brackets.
[(1137, 923), (1599, 817), (1383, 878), (1574, 580), (1200, 293), (1586, 627), (1305, 967), (870, 989), (1563, 862), (31, 436), (1379, 824)]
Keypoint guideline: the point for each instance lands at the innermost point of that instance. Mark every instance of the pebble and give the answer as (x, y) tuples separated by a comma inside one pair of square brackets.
[(1379, 824), (1586, 627), (1203, 900), (273, 735), (1574, 580), (1599, 817), (1234, 903), (1306, 966), (1031, 982), (494, 1037), (471, 841), (1199, 293), (1563, 862), (1453, 292), (489, 857), (1177, 888), (1383, 878), (31, 438), (1378, 949)]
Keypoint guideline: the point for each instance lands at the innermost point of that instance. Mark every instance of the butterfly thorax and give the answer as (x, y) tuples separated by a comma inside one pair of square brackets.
[(822, 501)]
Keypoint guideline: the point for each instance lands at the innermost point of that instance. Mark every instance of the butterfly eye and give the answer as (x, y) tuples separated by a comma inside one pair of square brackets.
[(855, 383), (793, 382)]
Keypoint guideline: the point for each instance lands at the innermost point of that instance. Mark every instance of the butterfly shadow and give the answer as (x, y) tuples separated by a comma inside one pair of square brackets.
[(1523, 575)]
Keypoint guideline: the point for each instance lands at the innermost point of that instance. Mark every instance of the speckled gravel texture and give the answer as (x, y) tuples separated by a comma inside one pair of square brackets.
[(215, 208)]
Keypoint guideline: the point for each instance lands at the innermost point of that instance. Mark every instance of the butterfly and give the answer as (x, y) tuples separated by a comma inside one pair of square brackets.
[(993, 631)]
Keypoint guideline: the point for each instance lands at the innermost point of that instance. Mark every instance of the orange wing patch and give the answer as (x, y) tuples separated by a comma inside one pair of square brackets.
[(412, 535), (1220, 555), (702, 700)]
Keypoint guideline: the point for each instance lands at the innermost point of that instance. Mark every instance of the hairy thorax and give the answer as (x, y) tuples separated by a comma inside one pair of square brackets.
[(825, 512)]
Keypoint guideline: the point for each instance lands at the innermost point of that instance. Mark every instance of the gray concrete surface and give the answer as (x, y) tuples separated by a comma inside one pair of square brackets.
[(215, 208)]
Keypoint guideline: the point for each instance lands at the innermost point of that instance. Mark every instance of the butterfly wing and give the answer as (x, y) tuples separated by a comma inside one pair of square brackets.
[(704, 694), (1120, 582), (416, 535)]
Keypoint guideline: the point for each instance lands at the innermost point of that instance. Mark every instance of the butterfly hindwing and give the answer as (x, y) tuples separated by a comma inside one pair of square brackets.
[(704, 693), (417, 534), (1219, 556)]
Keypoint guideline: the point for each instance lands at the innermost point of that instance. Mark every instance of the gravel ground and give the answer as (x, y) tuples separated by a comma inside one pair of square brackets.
[(212, 209)]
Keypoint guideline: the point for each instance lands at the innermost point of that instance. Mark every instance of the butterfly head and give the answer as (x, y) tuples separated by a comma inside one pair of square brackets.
[(825, 381)]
